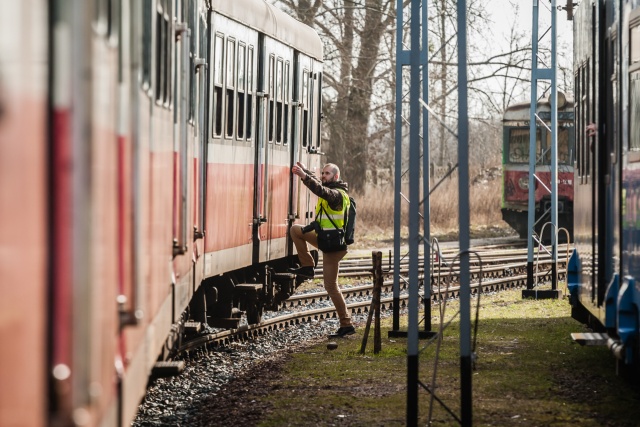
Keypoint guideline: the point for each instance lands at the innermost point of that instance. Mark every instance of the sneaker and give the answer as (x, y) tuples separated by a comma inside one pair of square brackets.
[(343, 331), (306, 272)]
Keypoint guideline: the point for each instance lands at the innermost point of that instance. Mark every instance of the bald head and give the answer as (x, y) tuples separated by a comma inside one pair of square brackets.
[(330, 173)]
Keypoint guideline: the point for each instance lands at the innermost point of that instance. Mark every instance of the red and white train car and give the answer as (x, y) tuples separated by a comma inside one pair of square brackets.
[(145, 155)]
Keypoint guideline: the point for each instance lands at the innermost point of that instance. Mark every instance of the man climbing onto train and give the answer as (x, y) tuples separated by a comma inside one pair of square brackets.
[(333, 202)]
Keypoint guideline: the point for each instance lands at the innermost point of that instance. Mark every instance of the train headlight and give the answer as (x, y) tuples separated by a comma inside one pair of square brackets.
[(523, 182)]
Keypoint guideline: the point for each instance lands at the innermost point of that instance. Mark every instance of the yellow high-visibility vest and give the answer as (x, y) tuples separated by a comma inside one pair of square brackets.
[(322, 216)]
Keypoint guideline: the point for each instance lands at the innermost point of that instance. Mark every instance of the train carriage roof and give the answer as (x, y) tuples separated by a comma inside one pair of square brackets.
[(520, 111), (268, 19)]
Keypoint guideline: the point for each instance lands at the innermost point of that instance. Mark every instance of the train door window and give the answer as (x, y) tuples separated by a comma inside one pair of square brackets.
[(315, 113), (231, 64), (319, 113), (250, 90), (147, 38), (588, 115), (305, 108), (272, 95), (279, 97), (634, 86), (578, 119), (242, 49), (614, 91), (287, 98), (218, 77)]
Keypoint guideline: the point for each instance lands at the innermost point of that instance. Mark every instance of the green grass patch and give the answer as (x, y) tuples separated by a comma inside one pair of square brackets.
[(528, 372)]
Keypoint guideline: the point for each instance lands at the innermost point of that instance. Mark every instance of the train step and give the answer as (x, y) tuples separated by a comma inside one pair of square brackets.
[(590, 338), (224, 322), (192, 328), (248, 288), (167, 369)]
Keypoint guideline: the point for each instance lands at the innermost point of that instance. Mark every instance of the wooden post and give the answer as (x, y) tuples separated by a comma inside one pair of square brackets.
[(375, 306), (377, 289)]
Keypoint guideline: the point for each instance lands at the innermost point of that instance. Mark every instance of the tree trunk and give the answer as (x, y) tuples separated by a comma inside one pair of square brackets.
[(359, 112), (338, 128)]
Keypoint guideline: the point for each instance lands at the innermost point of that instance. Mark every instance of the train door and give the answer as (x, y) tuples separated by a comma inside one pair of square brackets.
[(273, 153), (585, 213), (182, 78), (305, 151), (611, 163)]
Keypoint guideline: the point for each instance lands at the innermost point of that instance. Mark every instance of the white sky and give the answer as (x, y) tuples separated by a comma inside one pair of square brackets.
[(502, 12)]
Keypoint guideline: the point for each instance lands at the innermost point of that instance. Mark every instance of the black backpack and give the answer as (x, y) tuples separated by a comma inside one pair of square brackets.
[(350, 221)]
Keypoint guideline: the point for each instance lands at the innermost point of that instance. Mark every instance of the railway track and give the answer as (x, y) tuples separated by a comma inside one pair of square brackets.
[(499, 271)]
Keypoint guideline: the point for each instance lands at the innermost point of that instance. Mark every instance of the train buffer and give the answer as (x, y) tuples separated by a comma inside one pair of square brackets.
[(590, 338)]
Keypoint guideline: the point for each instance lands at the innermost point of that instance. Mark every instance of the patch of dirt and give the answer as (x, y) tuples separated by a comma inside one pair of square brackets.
[(242, 399)]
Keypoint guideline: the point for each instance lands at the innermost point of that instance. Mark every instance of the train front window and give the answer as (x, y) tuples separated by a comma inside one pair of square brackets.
[(518, 147), (565, 155)]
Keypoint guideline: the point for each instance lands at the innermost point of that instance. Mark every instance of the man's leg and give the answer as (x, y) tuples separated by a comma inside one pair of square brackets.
[(301, 239), (307, 263), (330, 265)]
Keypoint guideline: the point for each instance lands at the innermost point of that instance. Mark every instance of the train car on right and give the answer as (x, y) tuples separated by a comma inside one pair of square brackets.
[(604, 271)]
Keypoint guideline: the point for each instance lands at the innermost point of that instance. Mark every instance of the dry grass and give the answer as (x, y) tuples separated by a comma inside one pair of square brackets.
[(375, 209)]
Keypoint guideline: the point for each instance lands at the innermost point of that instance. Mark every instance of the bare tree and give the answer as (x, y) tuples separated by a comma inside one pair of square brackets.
[(360, 81)]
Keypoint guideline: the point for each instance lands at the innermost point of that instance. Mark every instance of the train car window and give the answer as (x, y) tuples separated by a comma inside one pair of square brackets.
[(241, 88), (305, 108), (218, 77), (193, 48), (230, 81), (101, 10), (147, 39), (272, 95), (161, 41), (634, 112), (634, 44), (287, 94), (588, 115), (250, 90), (168, 51), (113, 21), (279, 96), (634, 87)]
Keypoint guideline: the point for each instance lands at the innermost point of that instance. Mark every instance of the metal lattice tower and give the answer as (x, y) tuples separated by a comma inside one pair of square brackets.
[(416, 59), (542, 74)]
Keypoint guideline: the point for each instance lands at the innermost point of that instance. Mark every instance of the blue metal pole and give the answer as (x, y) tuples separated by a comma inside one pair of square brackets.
[(463, 212), (414, 216), (426, 175), (554, 147), (397, 219), (532, 144)]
